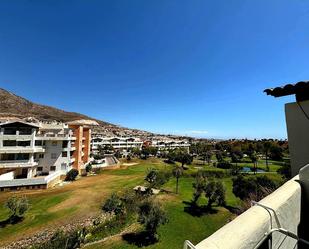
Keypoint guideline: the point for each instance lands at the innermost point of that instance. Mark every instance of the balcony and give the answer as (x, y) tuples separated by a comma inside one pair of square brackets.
[(277, 221), (16, 136), (17, 164), (69, 149), (22, 149), (31, 181), (55, 136)]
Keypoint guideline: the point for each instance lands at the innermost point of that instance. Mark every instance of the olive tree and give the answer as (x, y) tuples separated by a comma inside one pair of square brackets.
[(17, 206), (151, 216)]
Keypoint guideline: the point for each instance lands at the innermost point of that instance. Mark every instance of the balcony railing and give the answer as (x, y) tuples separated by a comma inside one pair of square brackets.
[(17, 163), (47, 135), (22, 149), (30, 181)]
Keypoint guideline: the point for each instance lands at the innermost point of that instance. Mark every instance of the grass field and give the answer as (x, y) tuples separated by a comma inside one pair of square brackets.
[(82, 198)]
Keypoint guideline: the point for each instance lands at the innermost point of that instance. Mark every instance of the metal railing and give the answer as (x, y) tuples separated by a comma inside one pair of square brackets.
[(279, 229), (188, 245)]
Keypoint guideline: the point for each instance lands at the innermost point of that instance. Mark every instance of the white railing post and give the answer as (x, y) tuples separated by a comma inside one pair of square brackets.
[(188, 245)]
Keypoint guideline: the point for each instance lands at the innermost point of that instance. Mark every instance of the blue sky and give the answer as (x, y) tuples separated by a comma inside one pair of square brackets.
[(193, 67)]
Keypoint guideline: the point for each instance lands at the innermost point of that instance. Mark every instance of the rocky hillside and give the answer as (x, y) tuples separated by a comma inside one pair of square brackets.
[(12, 105)]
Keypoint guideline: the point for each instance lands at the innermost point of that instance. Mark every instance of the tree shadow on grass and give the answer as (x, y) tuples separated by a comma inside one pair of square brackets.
[(12, 220), (197, 211), (140, 239), (233, 210)]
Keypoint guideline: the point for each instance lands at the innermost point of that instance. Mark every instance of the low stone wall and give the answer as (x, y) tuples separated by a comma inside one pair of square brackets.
[(248, 229)]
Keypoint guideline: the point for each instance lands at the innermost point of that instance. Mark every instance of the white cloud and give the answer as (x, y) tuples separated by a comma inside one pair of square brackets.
[(196, 132)]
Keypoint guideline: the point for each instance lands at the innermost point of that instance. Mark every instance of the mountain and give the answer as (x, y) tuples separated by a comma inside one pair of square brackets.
[(12, 105)]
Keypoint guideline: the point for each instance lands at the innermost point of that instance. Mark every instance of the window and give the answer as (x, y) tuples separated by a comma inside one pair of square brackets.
[(64, 144), (9, 143), (40, 169), (25, 131), (41, 155), (53, 155), (38, 142), (54, 143), (9, 131), (52, 168), (64, 154), (63, 166), (23, 143), (22, 156), (7, 157)]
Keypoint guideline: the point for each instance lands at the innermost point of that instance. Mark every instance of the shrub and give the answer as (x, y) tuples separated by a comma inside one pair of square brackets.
[(285, 171), (128, 158), (107, 228), (17, 206), (97, 157), (224, 165), (131, 199), (260, 186), (62, 240), (88, 168), (71, 175), (113, 205), (156, 178)]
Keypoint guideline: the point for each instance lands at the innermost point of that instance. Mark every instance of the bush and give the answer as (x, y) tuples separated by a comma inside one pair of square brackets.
[(113, 205), (260, 186), (17, 206), (224, 165), (62, 240), (71, 175), (107, 228), (156, 178), (285, 171), (88, 167), (97, 157)]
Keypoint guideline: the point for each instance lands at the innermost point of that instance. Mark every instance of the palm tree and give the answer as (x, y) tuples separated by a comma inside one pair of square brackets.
[(266, 148), (254, 159), (177, 172)]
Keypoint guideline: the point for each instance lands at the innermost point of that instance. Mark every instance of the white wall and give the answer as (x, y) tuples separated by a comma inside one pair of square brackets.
[(48, 161), (298, 134), (7, 176)]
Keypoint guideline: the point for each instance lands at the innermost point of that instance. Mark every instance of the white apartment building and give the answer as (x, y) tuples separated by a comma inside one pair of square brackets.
[(170, 144), (32, 151), (118, 143)]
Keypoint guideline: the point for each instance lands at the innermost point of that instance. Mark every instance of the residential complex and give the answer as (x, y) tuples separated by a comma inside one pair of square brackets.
[(170, 144), (127, 143), (34, 154), (118, 143)]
